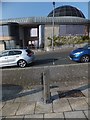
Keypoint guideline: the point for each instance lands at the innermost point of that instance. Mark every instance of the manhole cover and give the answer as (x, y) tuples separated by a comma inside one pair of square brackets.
[(71, 93)]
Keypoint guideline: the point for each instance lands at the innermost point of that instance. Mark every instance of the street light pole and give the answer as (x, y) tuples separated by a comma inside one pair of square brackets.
[(53, 26)]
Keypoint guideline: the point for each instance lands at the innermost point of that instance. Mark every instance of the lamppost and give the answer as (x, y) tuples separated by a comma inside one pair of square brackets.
[(53, 26)]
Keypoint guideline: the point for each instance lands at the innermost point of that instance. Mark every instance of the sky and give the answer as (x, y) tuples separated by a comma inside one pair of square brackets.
[(36, 9)]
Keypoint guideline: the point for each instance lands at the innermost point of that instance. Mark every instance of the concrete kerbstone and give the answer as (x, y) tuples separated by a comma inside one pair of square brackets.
[(54, 115), (43, 108)]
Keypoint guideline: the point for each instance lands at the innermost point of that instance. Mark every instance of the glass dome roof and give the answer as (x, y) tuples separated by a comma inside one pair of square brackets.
[(66, 11)]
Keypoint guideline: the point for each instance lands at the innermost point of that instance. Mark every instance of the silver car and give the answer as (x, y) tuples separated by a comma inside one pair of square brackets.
[(19, 57)]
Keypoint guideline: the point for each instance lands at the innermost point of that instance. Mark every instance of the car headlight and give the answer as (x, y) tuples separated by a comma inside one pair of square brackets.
[(78, 53)]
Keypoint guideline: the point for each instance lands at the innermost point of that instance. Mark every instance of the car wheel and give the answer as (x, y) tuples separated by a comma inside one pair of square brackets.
[(22, 63), (85, 58)]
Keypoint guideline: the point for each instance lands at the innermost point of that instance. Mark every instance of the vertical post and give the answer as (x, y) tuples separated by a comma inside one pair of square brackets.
[(46, 87), (53, 26), (23, 42)]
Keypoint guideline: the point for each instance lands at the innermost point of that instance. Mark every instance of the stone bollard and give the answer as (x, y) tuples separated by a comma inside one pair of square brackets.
[(46, 87)]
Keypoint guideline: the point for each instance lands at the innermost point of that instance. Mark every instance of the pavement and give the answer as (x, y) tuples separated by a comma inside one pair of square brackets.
[(68, 101)]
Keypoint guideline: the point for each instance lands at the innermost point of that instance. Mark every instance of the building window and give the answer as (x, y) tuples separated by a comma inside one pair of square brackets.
[(33, 32), (5, 30), (1, 31)]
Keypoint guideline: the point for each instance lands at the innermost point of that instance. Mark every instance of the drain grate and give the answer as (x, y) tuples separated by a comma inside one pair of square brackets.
[(71, 93)]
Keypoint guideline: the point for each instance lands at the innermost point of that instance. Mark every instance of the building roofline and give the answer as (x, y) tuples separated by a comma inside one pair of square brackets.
[(47, 20)]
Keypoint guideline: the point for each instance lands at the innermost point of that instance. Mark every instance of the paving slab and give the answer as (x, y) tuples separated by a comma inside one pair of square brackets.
[(74, 114), (10, 109), (34, 116), (27, 97), (43, 108), (87, 113), (54, 115), (78, 103), (26, 108), (61, 105), (87, 100)]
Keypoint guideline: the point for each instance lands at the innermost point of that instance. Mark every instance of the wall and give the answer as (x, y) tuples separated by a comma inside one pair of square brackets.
[(49, 31), (2, 47), (32, 76)]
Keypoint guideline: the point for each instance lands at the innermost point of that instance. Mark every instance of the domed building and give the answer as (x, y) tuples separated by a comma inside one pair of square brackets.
[(34, 31), (66, 10), (71, 13)]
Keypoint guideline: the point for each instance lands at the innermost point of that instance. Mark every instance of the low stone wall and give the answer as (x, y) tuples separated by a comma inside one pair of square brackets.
[(58, 73)]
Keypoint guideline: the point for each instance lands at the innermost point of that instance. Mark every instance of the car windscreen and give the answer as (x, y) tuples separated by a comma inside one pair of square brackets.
[(4, 53), (86, 46)]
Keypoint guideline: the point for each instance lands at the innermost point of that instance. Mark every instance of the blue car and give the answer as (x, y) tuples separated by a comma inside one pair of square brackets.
[(81, 54)]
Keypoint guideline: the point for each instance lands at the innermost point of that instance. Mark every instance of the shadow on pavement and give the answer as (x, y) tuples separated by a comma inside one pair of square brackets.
[(71, 93), (10, 92)]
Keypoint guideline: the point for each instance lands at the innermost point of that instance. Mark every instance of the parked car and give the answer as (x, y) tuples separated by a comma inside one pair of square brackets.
[(19, 57), (81, 54)]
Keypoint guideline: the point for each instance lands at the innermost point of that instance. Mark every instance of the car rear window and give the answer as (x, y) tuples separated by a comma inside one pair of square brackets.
[(29, 51)]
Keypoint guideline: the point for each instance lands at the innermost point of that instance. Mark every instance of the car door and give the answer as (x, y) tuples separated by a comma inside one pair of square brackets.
[(4, 59), (11, 58)]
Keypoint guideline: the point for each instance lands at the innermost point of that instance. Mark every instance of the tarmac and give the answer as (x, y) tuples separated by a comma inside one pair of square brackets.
[(68, 101)]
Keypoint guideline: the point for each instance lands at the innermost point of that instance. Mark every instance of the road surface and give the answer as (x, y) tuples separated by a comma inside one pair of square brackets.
[(53, 58)]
